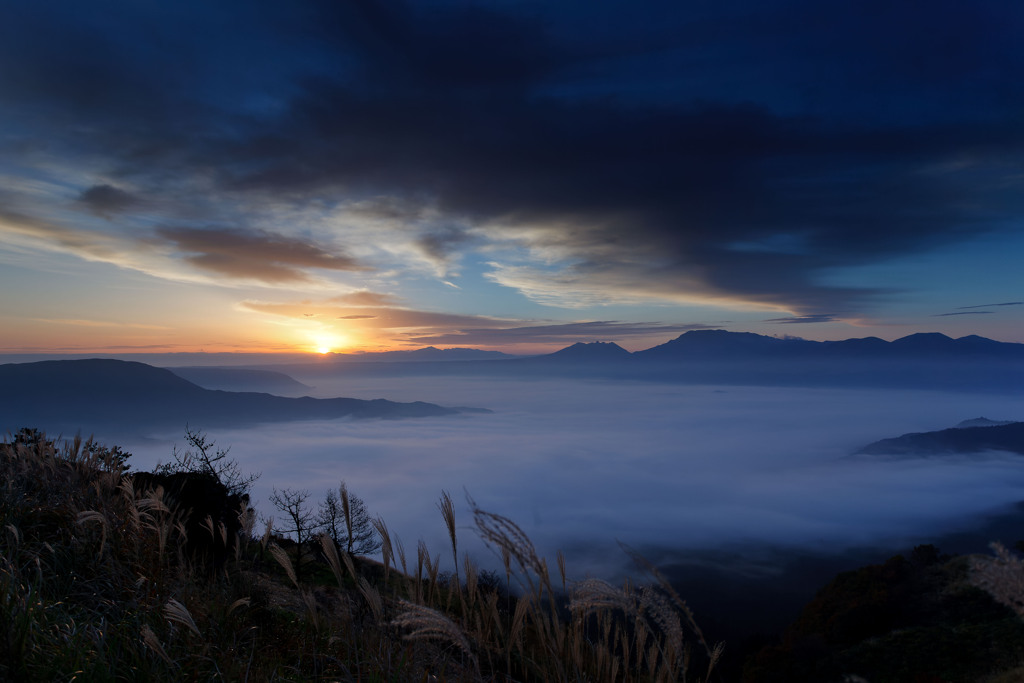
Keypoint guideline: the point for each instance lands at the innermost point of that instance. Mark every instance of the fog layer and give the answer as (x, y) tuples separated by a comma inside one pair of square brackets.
[(581, 464)]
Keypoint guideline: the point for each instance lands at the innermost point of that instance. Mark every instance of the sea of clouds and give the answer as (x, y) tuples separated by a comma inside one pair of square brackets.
[(583, 465)]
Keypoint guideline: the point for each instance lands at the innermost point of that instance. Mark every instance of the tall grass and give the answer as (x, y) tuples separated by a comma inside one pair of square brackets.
[(95, 584)]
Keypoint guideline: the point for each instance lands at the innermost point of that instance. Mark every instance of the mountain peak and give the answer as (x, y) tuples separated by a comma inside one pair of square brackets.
[(597, 350), (982, 422), (924, 338), (717, 342)]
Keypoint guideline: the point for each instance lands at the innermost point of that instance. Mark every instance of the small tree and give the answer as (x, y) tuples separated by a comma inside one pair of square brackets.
[(347, 522), (300, 520), (203, 457)]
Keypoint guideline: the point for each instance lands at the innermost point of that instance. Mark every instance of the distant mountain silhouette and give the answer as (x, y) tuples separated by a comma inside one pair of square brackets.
[(90, 394), (920, 361), (928, 361), (983, 422), (927, 342), (427, 353), (241, 379), (721, 343), (859, 347), (997, 437), (589, 353), (735, 358)]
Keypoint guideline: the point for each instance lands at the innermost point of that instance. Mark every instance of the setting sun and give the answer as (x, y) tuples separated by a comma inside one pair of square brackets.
[(324, 343)]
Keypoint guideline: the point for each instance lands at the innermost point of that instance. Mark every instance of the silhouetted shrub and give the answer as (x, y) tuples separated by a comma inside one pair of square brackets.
[(210, 512)]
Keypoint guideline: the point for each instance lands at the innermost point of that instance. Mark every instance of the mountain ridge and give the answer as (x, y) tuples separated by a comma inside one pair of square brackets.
[(71, 395), (1008, 436), (724, 343), (590, 352)]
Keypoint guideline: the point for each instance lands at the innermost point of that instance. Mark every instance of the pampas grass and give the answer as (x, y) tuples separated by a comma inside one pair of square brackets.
[(94, 583), (1001, 576)]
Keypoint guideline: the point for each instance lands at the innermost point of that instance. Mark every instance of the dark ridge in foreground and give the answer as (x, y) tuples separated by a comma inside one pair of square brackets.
[(81, 527), (1001, 437), (70, 395)]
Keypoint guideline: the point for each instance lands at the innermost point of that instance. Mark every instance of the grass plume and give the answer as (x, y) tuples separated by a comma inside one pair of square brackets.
[(97, 580)]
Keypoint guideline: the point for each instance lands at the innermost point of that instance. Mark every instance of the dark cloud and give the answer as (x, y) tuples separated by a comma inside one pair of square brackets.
[(256, 255), (944, 315), (738, 152), (106, 200), (441, 243)]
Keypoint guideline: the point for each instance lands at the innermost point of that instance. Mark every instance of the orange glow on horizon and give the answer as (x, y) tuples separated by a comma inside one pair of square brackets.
[(328, 342)]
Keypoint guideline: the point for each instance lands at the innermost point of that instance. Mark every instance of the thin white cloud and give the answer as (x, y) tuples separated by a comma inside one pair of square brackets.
[(258, 259), (586, 286)]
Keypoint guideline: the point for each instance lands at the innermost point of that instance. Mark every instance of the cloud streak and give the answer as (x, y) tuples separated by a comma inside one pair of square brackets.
[(390, 318), (967, 310), (414, 327), (563, 333), (257, 255), (1008, 303), (804, 319)]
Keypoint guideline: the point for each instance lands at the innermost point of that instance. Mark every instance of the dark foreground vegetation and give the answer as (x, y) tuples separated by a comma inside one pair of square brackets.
[(112, 575)]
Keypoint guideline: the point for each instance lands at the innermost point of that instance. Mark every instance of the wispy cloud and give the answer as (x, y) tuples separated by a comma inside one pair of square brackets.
[(611, 282), (254, 254), (87, 244), (801, 319), (966, 310), (415, 327), (364, 298), (233, 256), (1008, 303), (80, 322), (383, 318)]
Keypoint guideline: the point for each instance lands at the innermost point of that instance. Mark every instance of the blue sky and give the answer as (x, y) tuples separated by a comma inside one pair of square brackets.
[(249, 176)]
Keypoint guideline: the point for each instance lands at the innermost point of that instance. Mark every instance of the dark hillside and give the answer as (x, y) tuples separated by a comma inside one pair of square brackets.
[(72, 395), (908, 619), (1001, 437)]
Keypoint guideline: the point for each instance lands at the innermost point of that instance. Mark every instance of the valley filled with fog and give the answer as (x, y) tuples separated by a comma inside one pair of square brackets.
[(673, 470)]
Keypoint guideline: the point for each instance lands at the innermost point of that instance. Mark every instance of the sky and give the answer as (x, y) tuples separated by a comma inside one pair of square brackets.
[(351, 176)]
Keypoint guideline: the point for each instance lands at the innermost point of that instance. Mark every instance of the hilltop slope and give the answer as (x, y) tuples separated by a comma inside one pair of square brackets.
[(1000, 437), (71, 395)]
